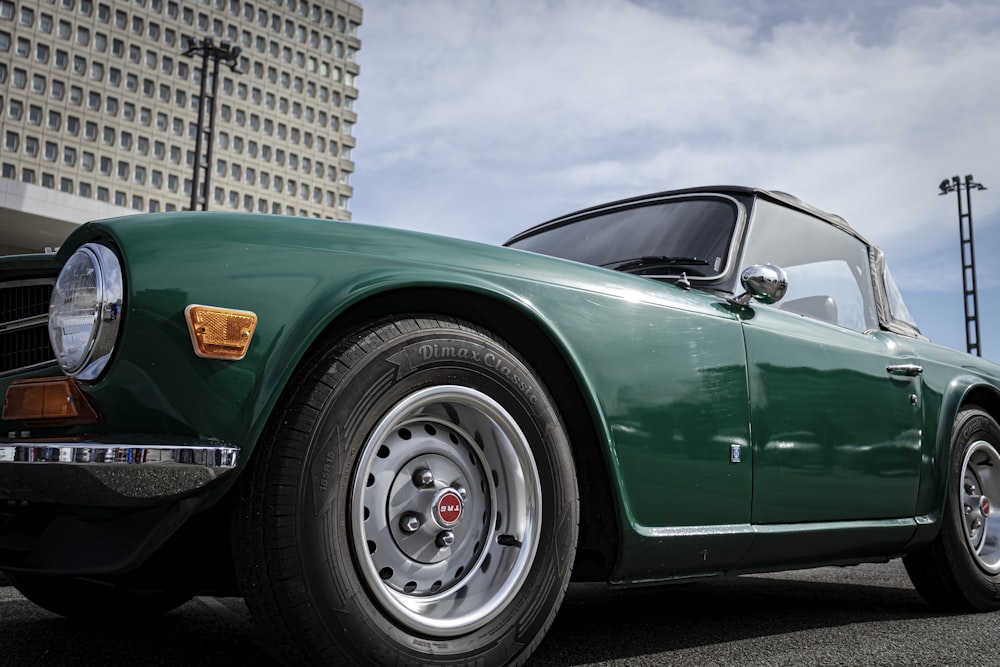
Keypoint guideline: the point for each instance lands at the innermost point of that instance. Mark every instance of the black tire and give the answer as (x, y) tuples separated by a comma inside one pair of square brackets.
[(95, 599), (413, 502), (960, 569)]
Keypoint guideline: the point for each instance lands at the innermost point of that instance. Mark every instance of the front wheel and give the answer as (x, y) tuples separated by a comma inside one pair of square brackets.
[(414, 502), (960, 570)]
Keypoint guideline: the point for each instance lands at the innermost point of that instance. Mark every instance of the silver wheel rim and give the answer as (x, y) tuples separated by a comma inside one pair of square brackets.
[(979, 493), (445, 510)]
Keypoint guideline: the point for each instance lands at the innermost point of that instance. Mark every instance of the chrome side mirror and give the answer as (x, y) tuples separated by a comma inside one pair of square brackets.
[(766, 283)]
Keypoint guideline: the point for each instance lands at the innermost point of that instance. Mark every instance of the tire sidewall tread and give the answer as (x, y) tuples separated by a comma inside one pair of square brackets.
[(322, 601)]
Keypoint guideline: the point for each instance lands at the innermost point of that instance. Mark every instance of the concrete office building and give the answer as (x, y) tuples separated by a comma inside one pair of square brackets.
[(100, 110)]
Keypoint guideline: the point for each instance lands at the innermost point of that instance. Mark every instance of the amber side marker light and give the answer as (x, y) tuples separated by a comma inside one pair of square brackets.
[(48, 402), (220, 333)]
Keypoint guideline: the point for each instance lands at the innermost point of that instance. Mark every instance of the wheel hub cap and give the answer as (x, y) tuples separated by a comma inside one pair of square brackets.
[(980, 482), (445, 510)]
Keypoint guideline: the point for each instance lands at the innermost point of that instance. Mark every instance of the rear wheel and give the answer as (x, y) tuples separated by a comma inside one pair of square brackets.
[(414, 503), (960, 570)]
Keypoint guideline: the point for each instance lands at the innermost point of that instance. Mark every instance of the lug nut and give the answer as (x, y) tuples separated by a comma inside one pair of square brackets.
[(409, 523), (460, 490), (445, 538), (423, 478)]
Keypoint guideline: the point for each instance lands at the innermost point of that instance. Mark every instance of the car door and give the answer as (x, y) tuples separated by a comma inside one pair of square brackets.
[(835, 403)]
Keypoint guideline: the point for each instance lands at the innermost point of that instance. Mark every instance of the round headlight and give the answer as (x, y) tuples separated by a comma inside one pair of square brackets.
[(84, 311)]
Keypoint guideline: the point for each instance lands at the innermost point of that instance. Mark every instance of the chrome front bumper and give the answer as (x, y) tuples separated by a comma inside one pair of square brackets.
[(109, 474)]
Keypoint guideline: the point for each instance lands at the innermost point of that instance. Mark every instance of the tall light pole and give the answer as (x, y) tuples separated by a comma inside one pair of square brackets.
[(228, 54), (968, 249)]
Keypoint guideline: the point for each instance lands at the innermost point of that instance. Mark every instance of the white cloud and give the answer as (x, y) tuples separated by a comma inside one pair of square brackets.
[(478, 119)]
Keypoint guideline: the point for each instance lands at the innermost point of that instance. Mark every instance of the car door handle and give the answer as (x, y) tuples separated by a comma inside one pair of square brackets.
[(905, 370)]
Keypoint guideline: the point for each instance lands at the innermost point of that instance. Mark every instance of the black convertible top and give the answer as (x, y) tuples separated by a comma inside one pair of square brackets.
[(739, 191)]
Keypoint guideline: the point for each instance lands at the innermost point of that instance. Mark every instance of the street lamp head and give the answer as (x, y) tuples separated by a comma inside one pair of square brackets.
[(945, 187)]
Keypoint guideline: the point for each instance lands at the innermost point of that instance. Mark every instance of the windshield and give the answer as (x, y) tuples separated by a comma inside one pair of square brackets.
[(690, 235)]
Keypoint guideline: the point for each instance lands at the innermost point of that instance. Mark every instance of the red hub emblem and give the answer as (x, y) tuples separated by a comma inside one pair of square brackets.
[(984, 506), (448, 508)]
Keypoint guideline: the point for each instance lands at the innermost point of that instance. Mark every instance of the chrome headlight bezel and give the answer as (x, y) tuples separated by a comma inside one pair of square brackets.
[(85, 311)]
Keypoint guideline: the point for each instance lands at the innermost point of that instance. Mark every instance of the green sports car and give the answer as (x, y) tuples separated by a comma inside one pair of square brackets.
[(401, 448)]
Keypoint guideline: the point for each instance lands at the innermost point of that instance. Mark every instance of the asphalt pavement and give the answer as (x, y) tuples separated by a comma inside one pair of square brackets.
[(864, 615)]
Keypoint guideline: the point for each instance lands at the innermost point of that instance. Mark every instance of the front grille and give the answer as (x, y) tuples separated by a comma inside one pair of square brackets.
[(24, 325)]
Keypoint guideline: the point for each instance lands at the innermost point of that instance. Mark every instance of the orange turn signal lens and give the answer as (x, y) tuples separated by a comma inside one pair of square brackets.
[(220, 333), (48, 402)]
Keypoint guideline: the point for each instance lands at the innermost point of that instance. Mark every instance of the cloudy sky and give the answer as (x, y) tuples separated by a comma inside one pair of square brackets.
[(479, 118)]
